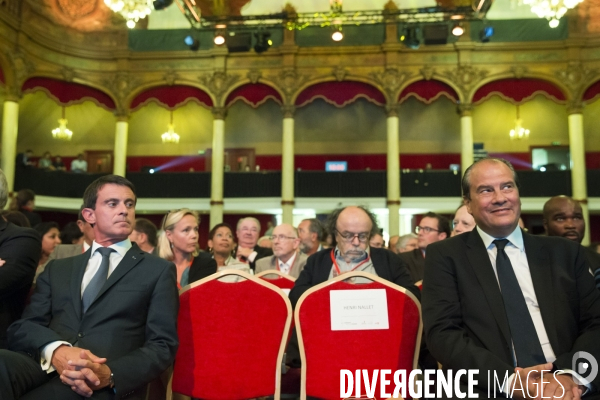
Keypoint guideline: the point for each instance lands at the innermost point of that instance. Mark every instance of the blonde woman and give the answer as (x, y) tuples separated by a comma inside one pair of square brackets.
[(178, 242)]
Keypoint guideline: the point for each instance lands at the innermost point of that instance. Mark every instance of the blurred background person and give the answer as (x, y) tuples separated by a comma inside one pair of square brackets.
[(79, 164), (311, 232), (406, 243), (377, 241), (392, 244), (24, 202), (58, 164), (264, 242), (145, 235), (17, 218), (178, 242), (71, 234), (50, 236), (45, 162), (24, 160), (462, 222)]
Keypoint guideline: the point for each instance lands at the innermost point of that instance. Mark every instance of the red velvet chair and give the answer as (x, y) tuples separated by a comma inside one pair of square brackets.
[(325, 352), (231, 338), (278, 278)]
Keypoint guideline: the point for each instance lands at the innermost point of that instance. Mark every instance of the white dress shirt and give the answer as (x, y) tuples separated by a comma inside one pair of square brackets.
[(90, 270), (286, 267), (515, 250)]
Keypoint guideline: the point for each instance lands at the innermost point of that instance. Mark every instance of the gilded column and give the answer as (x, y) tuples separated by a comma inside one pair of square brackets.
[(121, 133), (578, 172), (393, 170), (217, 166), (466, 136), (287, 166), (10, 128)]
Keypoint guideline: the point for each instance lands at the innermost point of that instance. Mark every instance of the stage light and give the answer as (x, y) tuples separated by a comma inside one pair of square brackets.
[(192, 42), (337, 35), (410, 38), (219, 39), (263, 41), (161, 4), (486, 34), (151, 170), (458, 30)]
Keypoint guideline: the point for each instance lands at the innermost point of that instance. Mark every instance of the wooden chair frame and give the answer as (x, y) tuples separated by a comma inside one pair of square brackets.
[(344, 277), (266, 284)]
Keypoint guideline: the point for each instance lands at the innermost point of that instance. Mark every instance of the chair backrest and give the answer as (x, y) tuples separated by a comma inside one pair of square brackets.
[(277, 278), (231, 338), (324, 352)]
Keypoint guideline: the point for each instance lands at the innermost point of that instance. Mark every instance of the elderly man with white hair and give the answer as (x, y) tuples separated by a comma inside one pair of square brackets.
[(286, 257)]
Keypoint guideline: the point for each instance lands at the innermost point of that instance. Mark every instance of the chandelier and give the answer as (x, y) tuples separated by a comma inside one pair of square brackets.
[(519, 132), (552, 10), (170, 136), (131, 10), (62, 133)]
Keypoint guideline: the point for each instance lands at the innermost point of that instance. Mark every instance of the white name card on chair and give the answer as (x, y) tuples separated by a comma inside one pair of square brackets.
[(358, 309)]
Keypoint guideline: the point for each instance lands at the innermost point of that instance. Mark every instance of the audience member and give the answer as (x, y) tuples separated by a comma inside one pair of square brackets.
[(392, 244), (24, 202), (248, 251), (178, 242), (480, 309), (462, 222), (58, 164), (108, 339), (70, 250), (563, 217), (20, 249), (79, 164), (24, 160), (353, 227), (407, 243), (286, 257), (45, 162), (17, 218), (377, 241), (221, 245), (50, 236), (432, 228), (310, 232), (144, 234), (71, 234), (265, 241)]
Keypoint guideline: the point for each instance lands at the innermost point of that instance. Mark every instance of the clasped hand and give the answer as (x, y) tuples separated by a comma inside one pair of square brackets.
[(541, 383), (83, 371)]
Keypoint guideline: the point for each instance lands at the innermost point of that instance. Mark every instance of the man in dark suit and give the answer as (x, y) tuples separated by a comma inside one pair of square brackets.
[(247, 250), (508, 303), (20, 250), (432, 228), (101, 324), (352, 227)]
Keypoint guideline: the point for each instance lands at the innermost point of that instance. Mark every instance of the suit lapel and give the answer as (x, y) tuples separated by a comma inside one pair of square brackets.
[(480, 262), (130, 260), (541, 276), (80, 263)]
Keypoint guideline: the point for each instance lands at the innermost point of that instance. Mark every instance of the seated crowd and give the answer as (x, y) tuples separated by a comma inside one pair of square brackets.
[(101, 320)]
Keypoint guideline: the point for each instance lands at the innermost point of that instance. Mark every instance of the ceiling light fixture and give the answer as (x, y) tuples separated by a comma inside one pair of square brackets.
[(457, 29), (170, 136), (519, 132), (552, 10), (220, 34), (62, 133), (337, 35), (131, 10)]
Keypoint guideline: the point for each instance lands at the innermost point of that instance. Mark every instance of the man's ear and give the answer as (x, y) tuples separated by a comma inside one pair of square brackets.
[(444, 235), (467, 203), (89, 215), (142, 238), (545, 223)]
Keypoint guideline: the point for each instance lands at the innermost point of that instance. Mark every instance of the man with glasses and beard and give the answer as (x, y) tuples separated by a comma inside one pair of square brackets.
[(352, 228)]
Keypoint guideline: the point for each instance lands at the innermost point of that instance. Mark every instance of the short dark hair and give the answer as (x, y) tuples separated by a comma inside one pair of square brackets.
[(335, 214), (443, 222), (90, 196), (80, 215), (146, 226), (70, 233), (317, 227), (466, 180), (24, 196), (212, 232)]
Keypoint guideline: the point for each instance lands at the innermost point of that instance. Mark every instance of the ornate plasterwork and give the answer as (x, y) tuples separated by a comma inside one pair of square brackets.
[(340, 73), (121, 85), (21, 66), (519, 71), (427, 72), (254, 75), (288, 111), (68, 74), (218, 83), (465, 76), (289, 80), (576, 77), (170, 77), (391, 79)]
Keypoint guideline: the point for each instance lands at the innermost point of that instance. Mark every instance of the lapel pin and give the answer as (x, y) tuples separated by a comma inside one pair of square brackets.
[(134, 257)]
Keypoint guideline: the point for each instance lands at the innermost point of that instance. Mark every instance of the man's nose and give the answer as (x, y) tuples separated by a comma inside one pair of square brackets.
[(499, 197)]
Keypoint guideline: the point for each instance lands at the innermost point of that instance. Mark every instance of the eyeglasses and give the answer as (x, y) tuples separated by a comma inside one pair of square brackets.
[(281, 237), (349, 236), (425, 229)]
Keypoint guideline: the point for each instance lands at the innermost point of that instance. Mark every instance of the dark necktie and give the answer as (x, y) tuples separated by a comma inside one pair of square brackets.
[(98, 280), (526, 342)]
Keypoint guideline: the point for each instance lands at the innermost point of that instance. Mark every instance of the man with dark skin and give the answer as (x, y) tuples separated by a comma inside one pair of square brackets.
[(563, 217)]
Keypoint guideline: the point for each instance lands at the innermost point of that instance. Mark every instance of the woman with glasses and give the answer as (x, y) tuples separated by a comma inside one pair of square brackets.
[(221, 245), (178, 242)]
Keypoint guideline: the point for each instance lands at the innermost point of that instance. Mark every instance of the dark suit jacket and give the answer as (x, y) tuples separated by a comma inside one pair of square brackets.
[(463, 313), (261, 252), (318, 266), (132, 322), (202, 266), (21, 249), (415, 263)]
